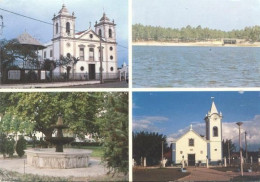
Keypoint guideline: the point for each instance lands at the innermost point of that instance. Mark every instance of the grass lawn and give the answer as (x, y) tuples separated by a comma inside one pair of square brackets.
[(15, 176), (246, 178), (157, 174), (255, 168), (97, 151)]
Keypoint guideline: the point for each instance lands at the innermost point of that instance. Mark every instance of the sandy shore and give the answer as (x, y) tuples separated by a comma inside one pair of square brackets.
[(205, 44)]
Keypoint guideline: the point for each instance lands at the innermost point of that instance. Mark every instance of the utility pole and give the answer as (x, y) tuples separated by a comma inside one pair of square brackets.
[(240, 145), (101, 60), (246, 145), (228, 152), (1, 31), (162, 151)]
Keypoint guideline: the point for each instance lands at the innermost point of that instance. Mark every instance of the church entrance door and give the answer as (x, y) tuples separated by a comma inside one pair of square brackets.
[(191, 159), (91, 71)]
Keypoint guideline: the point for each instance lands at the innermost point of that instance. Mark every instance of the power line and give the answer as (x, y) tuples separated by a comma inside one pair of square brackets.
[(18, 14)]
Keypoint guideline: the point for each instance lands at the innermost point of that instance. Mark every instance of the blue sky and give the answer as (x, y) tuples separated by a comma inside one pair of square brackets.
[(85, 11), (216, 14), (171, 113)]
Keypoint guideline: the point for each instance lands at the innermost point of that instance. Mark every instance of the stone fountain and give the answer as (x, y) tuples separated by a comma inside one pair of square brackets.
[(58, 159), (59, 141)]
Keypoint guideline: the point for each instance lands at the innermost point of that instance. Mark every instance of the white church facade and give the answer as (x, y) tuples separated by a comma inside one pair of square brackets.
[(84, 45), (193, 148)]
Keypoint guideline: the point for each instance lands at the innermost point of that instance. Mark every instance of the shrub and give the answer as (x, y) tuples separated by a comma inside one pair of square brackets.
[(3, 144), (10, 146), (20, 146)]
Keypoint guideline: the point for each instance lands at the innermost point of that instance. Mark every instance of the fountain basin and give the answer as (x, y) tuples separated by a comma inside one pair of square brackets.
[(48, 158)]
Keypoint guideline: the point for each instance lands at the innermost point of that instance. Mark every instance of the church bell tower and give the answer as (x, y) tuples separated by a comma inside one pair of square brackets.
[(214, 133), (106, 29)]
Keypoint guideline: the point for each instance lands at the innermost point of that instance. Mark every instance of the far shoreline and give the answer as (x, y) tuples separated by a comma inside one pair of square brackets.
[(195, 44)]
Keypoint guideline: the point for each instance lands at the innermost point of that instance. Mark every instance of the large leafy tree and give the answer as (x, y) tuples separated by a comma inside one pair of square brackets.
[(113, 122), (67, 62), (40, 111), (228, 146), (149, 145)]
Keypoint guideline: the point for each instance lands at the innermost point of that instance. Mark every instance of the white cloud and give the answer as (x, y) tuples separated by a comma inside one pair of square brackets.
[(147, 123), (229, 131), (135, 106)]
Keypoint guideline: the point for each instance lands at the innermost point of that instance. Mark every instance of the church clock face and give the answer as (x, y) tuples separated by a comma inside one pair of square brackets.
[(68, 44)]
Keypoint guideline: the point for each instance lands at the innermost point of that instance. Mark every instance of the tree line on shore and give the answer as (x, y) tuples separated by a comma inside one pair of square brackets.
[(190, 34)]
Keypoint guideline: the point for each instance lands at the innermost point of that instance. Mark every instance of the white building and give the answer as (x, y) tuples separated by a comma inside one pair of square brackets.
[(84, 45), (194, 148)]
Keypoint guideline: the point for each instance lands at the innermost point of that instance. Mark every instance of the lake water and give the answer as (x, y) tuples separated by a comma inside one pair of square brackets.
[(158, 66)]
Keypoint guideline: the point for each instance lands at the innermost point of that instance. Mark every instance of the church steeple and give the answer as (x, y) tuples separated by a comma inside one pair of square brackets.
[(213, 109), (214, 132)]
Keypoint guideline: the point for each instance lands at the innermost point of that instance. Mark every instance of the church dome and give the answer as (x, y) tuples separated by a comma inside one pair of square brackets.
[(64, 10), (104, 18)]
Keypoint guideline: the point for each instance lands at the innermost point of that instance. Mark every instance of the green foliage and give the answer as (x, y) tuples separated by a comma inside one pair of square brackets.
[(148, 145), (12, 51), (113, 124), (7, 145), (189, 34), (3, 144), (228, 145), (10, 146), (28, 112), (20, 146)]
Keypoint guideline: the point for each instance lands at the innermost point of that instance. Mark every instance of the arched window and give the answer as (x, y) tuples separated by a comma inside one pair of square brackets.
[(110, 33), (191, 142), (67, 27), (100, 32), (68, 55), (215, 131), (57, 28)]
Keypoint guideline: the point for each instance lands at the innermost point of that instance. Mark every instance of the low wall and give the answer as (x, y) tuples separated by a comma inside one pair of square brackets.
[(48, 158)]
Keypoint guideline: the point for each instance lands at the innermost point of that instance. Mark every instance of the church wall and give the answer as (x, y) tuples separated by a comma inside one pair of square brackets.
[(199, 148), (215, 151)]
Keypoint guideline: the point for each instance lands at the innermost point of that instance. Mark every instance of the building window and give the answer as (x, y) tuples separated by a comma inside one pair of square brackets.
[(81, 54), (68, 55), (50, 53), (68, 28), (110, 33), (91, 52), (82, 68), (216, 149), (215, 131), (100, 32), (181, 152), (44, 54), (111, 57), (191, 142), (111, 48), (57, 28), (91, 36), (111, 69)]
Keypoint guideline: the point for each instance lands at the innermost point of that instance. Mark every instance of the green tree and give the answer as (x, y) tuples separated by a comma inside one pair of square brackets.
[(67, 62), (113, 122), (148, 145), (21, 146), (228, 146), (39, 111)]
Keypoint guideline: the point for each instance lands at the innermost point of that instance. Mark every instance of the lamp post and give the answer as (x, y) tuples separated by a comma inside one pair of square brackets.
[(162, 151), (241, 162), (101, 59)]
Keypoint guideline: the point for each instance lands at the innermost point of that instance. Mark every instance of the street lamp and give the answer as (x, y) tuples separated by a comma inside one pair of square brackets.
[(241, 162), (101, 59)]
